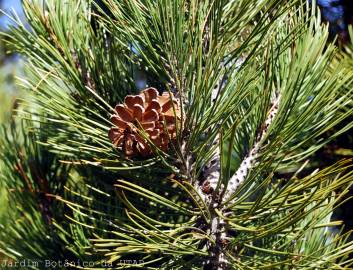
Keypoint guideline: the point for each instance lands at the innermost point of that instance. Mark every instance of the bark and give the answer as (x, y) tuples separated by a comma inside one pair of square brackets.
[(216, 198)]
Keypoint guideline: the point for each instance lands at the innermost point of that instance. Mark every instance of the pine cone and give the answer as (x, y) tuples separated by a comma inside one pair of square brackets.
[(147, 112)]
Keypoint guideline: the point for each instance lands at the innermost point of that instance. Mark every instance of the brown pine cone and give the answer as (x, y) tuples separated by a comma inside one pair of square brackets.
[(156, 115)]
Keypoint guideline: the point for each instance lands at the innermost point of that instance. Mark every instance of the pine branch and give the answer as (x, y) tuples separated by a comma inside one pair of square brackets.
[(211, 178), (250, 160), (214, 197), (213, 193)]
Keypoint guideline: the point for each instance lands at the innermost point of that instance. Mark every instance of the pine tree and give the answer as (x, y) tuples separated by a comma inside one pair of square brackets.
[(207, 166)]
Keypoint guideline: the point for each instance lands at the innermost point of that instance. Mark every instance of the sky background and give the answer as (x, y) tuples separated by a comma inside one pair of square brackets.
[(8, 6)]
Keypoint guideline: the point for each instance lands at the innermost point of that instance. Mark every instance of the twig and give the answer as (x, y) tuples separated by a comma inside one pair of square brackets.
[(248, 162), (216, 198)]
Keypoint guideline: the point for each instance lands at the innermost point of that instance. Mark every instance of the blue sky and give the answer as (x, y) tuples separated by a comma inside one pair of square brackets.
[(333, 12), (7, 6)]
